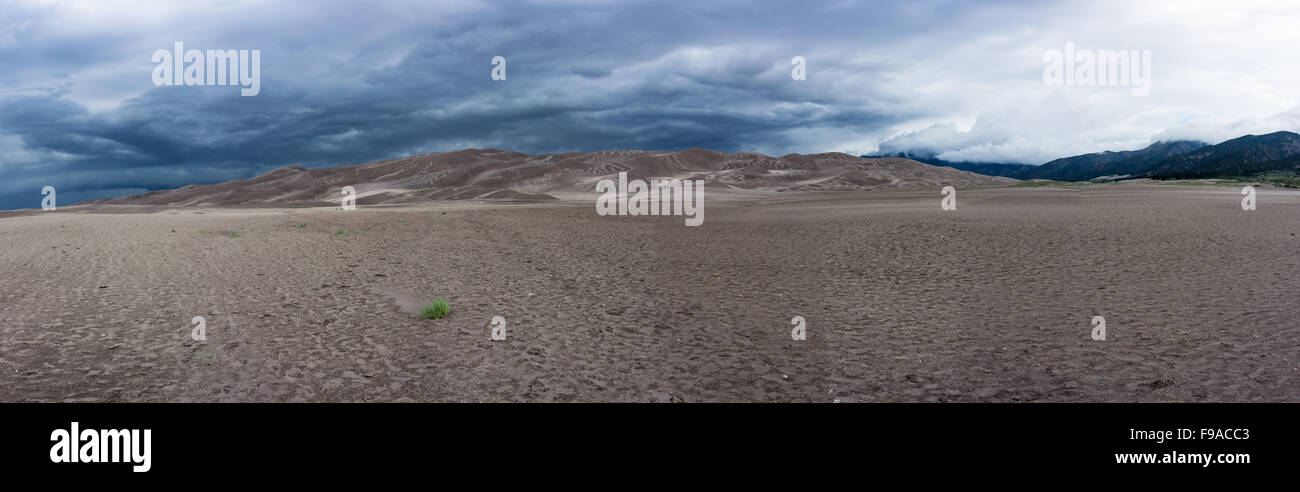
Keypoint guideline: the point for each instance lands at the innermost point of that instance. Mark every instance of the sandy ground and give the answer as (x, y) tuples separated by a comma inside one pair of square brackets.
[(903, 301)]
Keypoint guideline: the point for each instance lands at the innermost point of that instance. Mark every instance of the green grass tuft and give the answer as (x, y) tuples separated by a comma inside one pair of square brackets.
[(436, 310)]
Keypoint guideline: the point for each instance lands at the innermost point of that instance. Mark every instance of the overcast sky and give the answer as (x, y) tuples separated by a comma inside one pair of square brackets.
[(350, 82)]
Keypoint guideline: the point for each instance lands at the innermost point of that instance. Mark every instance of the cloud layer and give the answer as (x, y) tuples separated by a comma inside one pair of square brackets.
[(347, 82)]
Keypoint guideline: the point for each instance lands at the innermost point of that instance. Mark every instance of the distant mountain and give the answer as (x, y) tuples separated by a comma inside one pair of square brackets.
[(1241, 156), (1129, 163), (488, 174), (1125, 163), (986, 168)]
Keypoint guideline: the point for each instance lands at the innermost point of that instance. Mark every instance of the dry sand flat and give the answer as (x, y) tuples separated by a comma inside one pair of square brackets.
[(903, 301)]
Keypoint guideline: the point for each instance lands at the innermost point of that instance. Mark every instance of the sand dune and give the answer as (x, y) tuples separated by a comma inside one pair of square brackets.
[(513, 177)]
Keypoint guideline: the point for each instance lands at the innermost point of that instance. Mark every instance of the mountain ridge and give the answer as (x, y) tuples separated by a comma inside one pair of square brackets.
[(1243, 156), (1113, 163)]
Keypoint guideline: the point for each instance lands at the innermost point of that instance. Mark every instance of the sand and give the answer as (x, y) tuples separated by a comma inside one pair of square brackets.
[(903, 301)]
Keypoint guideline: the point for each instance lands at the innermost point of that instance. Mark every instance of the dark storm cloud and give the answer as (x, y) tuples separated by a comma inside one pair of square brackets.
[(580, 77), (349, 82)]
